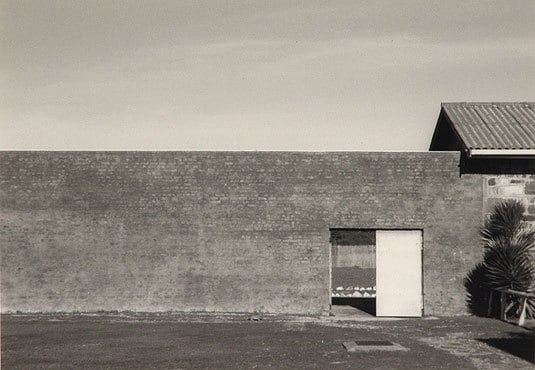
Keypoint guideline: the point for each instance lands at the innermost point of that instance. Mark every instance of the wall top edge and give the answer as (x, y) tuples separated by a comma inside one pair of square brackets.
[(224, 151)]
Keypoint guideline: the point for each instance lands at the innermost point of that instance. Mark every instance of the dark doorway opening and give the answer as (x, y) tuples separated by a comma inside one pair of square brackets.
[(353, 270)]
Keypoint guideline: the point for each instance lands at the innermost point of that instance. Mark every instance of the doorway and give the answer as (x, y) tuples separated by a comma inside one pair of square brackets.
[(377, 272), (353, 270)]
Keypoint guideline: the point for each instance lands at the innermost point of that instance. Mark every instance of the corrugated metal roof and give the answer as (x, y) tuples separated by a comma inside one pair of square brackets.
[(493, 125)]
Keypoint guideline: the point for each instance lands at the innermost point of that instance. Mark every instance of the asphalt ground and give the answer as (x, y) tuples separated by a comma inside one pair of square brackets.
[(176, 341)]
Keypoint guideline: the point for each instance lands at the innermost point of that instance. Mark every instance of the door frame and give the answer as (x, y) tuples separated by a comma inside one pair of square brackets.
[(422, 251)]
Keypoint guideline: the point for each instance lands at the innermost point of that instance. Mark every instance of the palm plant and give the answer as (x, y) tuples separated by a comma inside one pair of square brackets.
[(508, 261), (504, 220), (508, 243)]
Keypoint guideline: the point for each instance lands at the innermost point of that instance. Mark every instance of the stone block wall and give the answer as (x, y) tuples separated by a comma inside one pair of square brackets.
[(221, 231), (502, 187)]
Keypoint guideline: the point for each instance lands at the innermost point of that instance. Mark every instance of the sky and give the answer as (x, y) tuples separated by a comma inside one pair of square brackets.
[(253, 75)]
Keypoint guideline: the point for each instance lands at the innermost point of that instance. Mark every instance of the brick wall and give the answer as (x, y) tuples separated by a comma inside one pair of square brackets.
[(220, 231)]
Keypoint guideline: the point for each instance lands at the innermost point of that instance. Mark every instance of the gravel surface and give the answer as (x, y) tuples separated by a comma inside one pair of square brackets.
[(242, 341)]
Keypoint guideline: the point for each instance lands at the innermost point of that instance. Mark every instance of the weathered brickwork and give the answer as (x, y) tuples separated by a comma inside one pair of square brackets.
[(221, 231), (520, 187)]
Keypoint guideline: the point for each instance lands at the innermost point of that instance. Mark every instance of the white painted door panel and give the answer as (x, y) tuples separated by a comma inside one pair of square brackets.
[(399, 273)]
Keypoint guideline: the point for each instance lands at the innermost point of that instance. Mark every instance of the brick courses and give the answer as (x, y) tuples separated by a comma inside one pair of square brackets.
[(221, 231)]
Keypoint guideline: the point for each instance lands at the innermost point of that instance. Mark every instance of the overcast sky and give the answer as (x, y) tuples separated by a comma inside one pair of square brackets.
[(251, 75)]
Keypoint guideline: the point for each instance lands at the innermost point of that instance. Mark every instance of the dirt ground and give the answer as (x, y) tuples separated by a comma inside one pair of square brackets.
[(172, 341)]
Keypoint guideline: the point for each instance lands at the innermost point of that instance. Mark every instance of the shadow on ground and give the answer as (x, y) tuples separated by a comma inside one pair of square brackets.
[(364, 304), (521, 345)]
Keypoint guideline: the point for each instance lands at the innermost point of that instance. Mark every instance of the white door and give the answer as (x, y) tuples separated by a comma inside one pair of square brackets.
[(399, 273)]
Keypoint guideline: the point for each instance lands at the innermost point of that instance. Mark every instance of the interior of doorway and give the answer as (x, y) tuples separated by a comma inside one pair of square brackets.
[(353, 272)]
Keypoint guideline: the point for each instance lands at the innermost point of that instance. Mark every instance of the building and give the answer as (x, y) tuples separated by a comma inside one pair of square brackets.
[(496, 141), (493, 138), (248, 231)]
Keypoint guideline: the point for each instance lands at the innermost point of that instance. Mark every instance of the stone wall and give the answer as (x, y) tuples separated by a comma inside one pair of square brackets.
[(221, 231), (519, 187)]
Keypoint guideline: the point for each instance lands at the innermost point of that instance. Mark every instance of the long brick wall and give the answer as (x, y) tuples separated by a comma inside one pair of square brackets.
[(221, 231)]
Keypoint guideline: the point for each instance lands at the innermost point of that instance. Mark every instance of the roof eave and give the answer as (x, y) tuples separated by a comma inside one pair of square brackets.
[(501, 152)]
